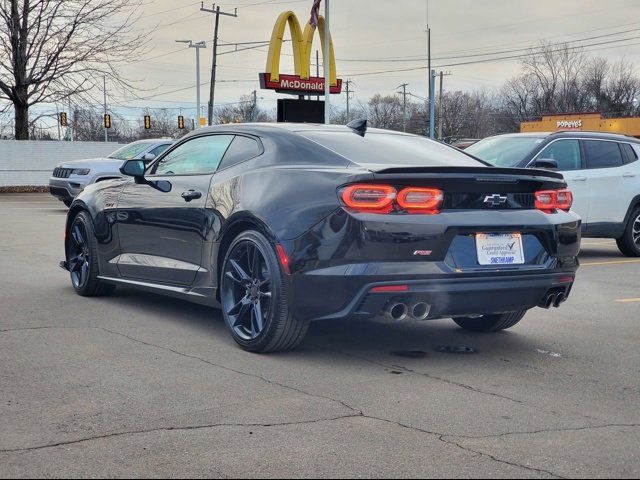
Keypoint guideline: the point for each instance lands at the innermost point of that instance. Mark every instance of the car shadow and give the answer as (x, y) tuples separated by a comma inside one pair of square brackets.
[(378, 340)]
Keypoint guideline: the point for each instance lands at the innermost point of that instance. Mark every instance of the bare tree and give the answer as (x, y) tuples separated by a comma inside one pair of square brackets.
[(52, 49), (385, 112), (244, 111)]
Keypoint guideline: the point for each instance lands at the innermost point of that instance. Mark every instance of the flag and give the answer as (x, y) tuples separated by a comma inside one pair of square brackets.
[(315, 13)]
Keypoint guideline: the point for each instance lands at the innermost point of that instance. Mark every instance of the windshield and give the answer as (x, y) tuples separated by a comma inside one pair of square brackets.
[(389, 149), (129, 152), (504, 151)]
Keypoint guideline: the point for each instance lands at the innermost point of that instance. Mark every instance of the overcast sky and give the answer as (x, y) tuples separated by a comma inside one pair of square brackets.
[(367, 33)]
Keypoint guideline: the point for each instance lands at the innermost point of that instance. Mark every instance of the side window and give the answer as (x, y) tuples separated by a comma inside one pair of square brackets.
[(601, 154), (630, 154), (241, 149), (565, 152), (159, 149), (200, 155)]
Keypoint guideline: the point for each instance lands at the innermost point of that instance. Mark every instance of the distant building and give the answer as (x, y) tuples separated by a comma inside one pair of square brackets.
[(589, 122)]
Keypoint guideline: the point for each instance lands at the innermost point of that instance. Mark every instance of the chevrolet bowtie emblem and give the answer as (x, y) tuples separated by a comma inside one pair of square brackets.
[(495, 200)]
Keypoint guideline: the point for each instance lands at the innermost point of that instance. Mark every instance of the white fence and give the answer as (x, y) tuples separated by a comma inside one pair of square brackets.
[(30, 163)]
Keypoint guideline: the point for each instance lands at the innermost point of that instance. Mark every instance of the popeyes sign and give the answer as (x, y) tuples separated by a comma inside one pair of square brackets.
[(302, 82), (569, 124)]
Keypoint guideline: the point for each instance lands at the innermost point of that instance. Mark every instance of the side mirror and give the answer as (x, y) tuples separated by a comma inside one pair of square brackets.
[(545, 163), (148, 157), (133, 168)]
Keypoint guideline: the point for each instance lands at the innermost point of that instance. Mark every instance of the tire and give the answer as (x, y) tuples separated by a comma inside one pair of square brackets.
[(491, 323), (629, 243), (67, 203), (82, 259), (254, 293)]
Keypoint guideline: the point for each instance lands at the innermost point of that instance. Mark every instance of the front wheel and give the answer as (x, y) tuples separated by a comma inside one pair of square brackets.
[(254, 294), (629, 243), (82, 258), (490, 323)]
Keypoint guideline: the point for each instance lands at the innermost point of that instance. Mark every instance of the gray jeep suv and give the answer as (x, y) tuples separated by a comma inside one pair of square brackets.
[(70, 178)]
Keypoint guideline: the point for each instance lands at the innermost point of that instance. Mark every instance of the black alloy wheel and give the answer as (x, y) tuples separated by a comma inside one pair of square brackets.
[(629, 243), (82, 258), (254, 291), (79, 255), (247, 293)]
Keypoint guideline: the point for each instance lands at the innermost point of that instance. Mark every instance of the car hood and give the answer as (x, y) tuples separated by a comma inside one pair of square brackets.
[(101, 162)]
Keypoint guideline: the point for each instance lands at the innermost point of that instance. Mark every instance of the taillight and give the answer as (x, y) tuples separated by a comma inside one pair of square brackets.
[(369, 198), (421, 200), (551, 200)]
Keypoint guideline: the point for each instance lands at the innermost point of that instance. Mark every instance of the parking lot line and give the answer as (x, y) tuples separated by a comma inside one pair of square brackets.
[(628, 300), (613, 262)]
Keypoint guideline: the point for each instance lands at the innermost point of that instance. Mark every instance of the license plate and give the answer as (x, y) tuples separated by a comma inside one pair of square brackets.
[(499, 249)]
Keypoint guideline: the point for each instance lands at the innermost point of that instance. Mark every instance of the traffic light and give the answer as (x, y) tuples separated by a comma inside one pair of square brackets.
[(147, 122), (63, 119), (107, 120), (181, 122)]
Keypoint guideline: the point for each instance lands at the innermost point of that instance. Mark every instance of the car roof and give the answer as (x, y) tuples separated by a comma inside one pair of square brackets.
[(266, 128), (571, 134)]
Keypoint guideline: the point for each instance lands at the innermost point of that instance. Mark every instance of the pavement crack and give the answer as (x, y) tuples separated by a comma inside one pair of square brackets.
[(174, 429), (500, 460), (239, 372), (423, 374), (549, 430)]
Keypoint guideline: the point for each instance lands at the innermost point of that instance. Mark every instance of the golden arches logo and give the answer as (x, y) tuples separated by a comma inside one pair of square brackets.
[(302, 42)]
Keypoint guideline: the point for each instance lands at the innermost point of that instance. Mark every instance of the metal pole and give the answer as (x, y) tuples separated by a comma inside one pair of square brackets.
[(327, 65), (348, 93), (70, 122), (106, 131), (432, 110), (430, 73), (440, 108), (198, 82), (214, 64), (404, 107), (214, 67), (318, 68)]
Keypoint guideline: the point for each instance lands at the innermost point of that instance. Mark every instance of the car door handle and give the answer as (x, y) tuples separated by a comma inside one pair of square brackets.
[(579, 179), (629, 175), (191, 195)]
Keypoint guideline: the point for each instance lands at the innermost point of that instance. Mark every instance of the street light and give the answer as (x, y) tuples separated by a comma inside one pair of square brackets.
[(197, 46)]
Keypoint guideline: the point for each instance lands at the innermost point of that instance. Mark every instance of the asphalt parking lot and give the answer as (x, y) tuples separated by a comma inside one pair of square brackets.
[(141, 385)]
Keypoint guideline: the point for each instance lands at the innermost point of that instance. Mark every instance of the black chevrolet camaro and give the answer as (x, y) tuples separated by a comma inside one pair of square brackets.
[(284, 224)]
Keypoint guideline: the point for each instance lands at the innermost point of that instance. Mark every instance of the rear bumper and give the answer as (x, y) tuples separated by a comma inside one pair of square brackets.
[(452, 297), (339, 262)]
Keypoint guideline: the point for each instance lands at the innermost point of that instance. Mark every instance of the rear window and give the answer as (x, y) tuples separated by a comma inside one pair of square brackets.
[(504, 151), (602, 154), (388, 148)]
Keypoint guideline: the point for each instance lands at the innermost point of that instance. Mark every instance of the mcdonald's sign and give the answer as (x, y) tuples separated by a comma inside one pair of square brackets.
[(302, 82)]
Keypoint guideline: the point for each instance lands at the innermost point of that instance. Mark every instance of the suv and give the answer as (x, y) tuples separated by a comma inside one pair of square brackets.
[(602, 170), (70, 178)]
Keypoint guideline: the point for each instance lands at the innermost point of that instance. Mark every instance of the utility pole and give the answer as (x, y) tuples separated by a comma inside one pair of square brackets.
[(348, 83), (404, 105), (106, 131), (432, 104), (318, 68), (70, 123), (214, 65), (254, 105), (327, 65), (430, 73), (197, 46), (440, 104)]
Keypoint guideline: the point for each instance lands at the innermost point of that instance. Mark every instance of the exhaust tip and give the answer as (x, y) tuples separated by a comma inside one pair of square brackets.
[(420, 311), (398, 311), (548, 303), (559, 298)]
